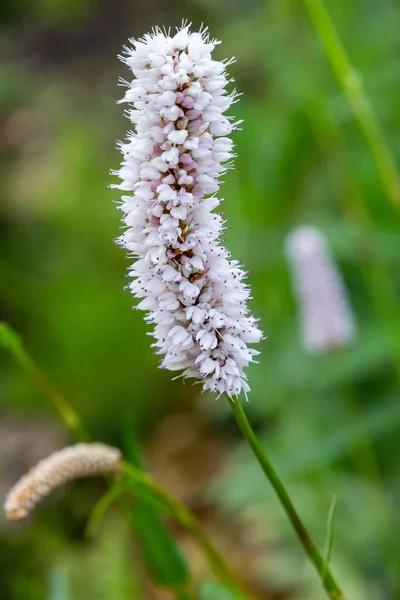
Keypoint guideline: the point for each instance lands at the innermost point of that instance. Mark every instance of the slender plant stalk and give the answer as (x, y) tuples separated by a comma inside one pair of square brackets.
[(113, 493), (70, 418), (67, 414), (190, 523), (329, 534), (352, 84), (327, 579)]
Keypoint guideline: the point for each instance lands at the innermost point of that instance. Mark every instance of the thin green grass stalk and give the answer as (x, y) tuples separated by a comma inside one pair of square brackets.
[(327, 579), (351, 83), (12, 342), (188, 521), (114, 492), (329, 534)]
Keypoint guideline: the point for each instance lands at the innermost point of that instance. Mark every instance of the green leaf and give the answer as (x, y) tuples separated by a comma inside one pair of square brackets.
[(9, 339), (142, 492), (105, 568), (101, 507), (58, 588), (215, 591), (157, 546), (131, 441)]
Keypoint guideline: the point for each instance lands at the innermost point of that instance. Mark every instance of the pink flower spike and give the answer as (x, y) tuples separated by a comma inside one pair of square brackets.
[(192, 292)]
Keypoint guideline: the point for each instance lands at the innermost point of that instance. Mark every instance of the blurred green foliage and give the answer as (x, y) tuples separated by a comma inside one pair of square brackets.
[(331, 422)]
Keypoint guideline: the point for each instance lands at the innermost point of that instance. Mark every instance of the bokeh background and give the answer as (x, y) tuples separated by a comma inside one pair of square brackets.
[(331, 422)]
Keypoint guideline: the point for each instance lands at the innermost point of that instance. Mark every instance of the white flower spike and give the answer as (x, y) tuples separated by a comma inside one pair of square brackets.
[(192, 291), (72, 462), (327, 320)]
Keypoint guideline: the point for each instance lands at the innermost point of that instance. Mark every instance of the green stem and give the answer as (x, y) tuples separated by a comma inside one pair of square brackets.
[(327, 579), (11, 340), (329, 534), (352, 85), (189, 522), (102, 505), (66, 412)]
